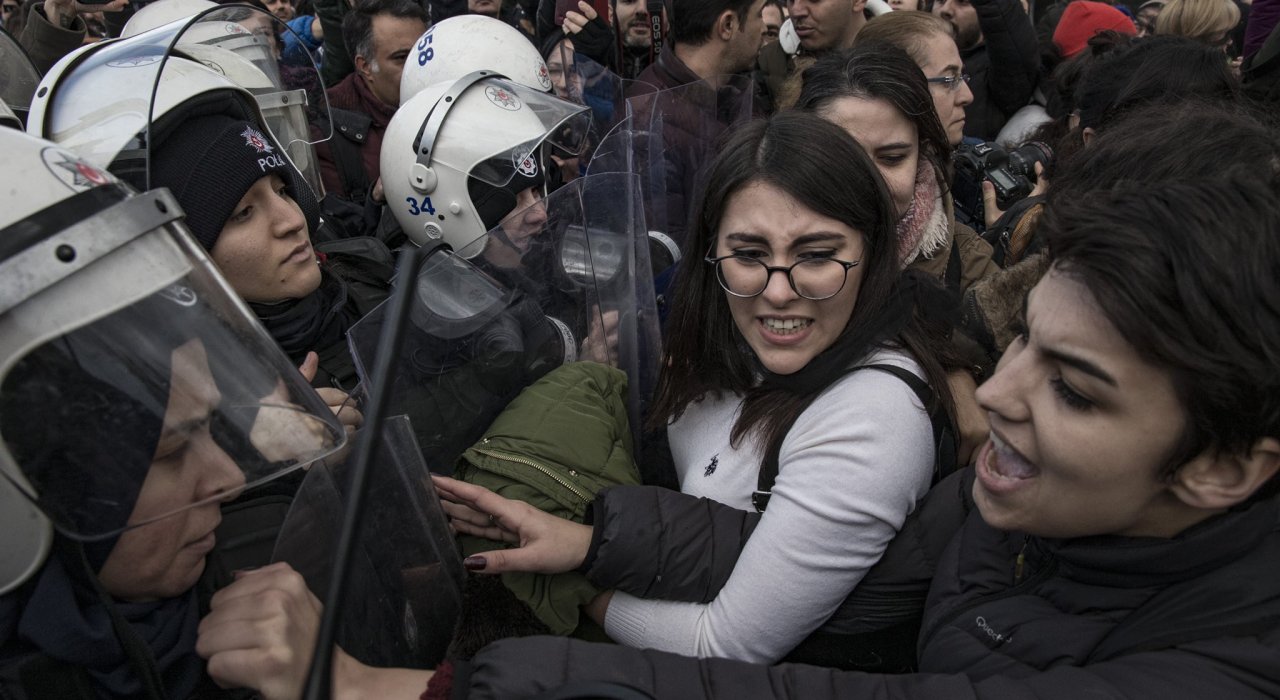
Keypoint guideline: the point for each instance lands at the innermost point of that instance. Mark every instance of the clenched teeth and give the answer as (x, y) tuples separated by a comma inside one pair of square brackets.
[(779, 325)]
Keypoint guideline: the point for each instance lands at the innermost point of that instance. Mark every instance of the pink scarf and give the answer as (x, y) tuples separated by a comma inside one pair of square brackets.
[(925, 228)]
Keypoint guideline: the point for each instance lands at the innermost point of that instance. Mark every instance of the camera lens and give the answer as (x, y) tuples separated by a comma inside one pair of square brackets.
[(1023, 160)]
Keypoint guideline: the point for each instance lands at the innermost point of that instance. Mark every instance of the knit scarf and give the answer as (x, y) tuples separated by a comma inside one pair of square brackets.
[(311, 323), (925, 228)]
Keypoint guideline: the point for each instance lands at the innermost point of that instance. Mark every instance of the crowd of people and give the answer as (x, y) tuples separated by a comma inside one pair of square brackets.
[(1005, 423)]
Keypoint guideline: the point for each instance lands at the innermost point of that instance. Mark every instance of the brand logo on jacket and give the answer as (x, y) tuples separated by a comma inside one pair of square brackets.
[(995, 636)]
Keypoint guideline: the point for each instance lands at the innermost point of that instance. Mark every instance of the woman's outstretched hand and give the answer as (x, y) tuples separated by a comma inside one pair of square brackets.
[(546, 544)]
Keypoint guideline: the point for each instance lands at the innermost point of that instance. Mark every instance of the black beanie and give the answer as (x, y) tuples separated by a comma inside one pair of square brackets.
[(211, 161)]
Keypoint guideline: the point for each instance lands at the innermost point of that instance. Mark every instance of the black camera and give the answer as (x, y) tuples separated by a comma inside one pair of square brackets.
[(1012, 172)]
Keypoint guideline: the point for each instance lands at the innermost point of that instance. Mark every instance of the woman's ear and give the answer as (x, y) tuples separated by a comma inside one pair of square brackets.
[(1216, 481)]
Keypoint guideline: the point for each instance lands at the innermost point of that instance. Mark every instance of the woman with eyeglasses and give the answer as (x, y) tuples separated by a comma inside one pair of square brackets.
[(798, 343), (877, 94)]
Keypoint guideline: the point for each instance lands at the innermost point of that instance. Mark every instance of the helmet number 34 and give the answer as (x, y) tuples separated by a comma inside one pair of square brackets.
[(422, 206)]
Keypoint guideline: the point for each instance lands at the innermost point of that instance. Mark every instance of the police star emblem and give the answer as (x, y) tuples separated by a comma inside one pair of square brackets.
[(253, 137), (82, 174), (502, 98)]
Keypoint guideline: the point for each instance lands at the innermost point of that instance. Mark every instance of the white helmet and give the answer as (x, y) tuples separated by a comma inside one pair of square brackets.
[(472, 134), (162, 12), (100, 99), (100, 287), (464, 44)]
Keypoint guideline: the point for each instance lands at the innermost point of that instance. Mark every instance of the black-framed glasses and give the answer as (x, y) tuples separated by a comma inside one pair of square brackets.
[(814, 279), (950, 82), (9, 8)]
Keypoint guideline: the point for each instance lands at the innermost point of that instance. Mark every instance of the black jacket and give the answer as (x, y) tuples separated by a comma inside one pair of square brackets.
[(1004, 69), (690, 115), (1009, 616), (656, 543)]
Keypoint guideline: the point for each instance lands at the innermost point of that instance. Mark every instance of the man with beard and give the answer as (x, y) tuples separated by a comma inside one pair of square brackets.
[(998, 45), (635, 36)]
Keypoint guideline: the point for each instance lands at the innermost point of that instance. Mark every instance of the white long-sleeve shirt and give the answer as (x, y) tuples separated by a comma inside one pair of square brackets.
[(850, 471)]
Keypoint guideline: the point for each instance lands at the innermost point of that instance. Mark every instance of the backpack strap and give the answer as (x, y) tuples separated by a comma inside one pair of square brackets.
[(944, 437)]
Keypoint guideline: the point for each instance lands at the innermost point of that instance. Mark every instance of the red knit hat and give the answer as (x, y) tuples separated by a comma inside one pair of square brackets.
[(1082, 19)]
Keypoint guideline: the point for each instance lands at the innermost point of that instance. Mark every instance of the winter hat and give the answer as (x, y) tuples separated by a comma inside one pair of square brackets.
[(1082, 19), (209, 162)]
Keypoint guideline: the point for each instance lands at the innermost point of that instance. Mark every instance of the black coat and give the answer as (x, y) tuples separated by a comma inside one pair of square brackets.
[(1004, 70), (1009, 616)]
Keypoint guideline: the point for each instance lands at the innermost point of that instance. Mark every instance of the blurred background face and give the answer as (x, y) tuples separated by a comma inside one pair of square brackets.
[(632, 20), (564, 78), (822, 24), (964, 18), (393, 39), (771, 14), (1146, 21), (7, 10), (281, 8), (489, 8)]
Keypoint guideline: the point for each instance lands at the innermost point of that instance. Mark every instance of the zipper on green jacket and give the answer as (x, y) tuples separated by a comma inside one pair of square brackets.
[(586, 497)]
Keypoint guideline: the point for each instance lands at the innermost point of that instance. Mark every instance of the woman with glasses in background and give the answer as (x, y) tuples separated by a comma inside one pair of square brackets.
[(877, 94)]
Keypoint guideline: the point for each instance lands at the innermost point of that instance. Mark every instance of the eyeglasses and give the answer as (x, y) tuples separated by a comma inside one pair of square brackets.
[(9, 8), (812, 278), (950, 82)]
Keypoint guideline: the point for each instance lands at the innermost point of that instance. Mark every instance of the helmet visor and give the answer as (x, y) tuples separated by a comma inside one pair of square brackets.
[(522, 120), (105, 106), (149, 390)]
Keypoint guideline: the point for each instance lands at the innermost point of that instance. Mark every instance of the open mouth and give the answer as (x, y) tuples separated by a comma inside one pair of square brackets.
[(1004, 463)]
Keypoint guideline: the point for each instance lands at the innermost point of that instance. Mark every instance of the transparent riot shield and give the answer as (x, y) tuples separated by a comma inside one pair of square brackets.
[(18, 79), (562, 281), (129, 366), (579, 79), (117, 101), (403, 590), (669, 137)]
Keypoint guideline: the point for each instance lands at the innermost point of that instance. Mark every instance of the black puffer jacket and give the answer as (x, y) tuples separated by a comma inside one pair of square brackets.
[(656, 543), (1004, 70), (1009, 616)]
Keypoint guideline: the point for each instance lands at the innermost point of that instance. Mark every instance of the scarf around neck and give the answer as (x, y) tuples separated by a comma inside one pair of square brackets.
[(925, 228), (62, 620), (311, 323)]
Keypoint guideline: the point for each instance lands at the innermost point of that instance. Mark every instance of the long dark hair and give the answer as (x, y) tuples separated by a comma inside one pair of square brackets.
[(880, 70), (825, 170)]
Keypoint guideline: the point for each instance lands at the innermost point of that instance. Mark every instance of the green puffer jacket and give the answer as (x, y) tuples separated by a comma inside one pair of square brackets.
[(555, 445)]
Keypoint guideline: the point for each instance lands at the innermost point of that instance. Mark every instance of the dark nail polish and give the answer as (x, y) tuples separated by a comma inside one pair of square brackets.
[(476, 563)]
